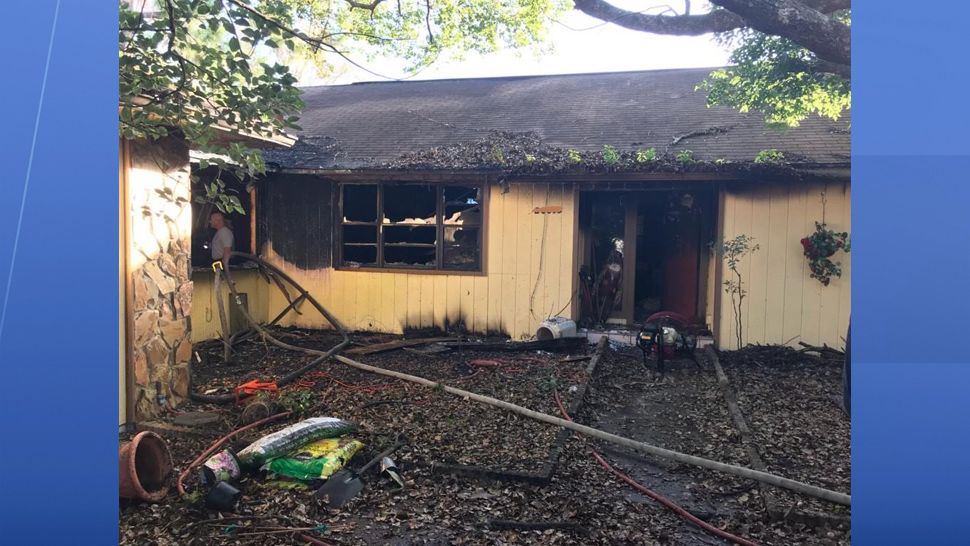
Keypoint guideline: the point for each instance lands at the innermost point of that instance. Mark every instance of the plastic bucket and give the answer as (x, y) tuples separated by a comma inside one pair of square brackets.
[(555, 328)]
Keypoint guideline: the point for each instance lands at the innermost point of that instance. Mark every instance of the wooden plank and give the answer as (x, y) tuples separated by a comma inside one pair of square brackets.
[(387, 314), (440, 301), (467, 300), (480, 309), (427, 300), (453, 301), (414, 301), (507, 305), (539, 233), (495, 228), (796, 268), (568, 266), (811, 289), (757, 300), (555, 248), (401, 300), (522, 258), (777, 251)]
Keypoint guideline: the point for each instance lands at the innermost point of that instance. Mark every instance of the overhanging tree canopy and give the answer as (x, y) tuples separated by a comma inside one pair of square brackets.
[(197, 65)]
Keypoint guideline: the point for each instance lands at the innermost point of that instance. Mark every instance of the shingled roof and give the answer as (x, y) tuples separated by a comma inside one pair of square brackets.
[(370, 125)]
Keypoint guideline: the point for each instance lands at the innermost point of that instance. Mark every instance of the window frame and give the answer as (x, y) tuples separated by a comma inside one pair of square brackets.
[(439, 245)]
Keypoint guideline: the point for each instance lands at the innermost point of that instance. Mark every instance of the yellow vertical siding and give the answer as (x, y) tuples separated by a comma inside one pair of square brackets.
[(205, 308), (499, 300), (783, 304)]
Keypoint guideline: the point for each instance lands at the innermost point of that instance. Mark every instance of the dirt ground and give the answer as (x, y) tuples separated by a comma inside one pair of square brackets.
[(787, 398)]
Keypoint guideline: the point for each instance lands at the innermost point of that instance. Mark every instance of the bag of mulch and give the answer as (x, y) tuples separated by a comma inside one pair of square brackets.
[(317, 460), (286, 440)]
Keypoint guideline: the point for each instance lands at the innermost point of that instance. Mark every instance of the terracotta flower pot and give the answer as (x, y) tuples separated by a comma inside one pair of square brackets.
[(145, 468)]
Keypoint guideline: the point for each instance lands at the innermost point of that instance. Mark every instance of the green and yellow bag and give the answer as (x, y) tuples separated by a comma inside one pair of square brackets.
[(316, 460)]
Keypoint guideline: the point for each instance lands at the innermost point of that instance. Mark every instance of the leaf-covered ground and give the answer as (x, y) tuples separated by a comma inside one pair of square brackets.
[(685, 413)]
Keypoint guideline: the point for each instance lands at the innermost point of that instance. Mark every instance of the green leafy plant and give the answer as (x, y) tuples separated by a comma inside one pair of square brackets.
[(732, 252), (779, 78), (610, 155), (574, 156), (819, 247), (297, 401), (529, 158), (646, 156), (200, 68), (685, 156), (769, 157), (497, 154)]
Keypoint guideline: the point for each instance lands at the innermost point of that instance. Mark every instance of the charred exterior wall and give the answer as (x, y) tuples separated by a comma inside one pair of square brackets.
[(296, 213), (528, 264)]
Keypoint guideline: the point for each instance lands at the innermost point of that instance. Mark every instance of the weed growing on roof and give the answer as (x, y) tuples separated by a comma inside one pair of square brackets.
[(646, 156), (769, 157), (610, 155), (497, 154), (685, 156), (530, 158), (574, 157)]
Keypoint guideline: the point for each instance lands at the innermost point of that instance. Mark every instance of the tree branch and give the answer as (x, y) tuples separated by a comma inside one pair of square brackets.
[(838, 69), (829, 39), (681, 25), (360, 5), (804, 22)]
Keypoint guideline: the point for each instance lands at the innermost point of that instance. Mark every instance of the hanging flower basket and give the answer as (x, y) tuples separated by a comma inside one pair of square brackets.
[(819, 247)]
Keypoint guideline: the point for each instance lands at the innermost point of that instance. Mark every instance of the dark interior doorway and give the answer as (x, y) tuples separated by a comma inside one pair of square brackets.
[(643, 252)]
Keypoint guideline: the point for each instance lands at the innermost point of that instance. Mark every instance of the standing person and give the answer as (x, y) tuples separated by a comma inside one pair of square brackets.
[(222, 241)]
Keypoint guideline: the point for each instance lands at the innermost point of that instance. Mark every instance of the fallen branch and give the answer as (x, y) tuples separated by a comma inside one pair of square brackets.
[(771, 479), (747, 438), (824, 349), (391, 345)]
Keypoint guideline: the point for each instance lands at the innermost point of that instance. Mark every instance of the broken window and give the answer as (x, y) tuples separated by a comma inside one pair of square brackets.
[(412, 226)]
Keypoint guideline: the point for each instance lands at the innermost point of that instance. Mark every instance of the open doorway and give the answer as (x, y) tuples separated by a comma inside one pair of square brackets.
[(643, 252)]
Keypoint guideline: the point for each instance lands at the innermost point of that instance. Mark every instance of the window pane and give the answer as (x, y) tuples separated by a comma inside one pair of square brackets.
[(463, 205), (357, 256), (360, 203), (409, 234), (410, 204), (461, 236), (464, 258), (360, 234), (412, 256)]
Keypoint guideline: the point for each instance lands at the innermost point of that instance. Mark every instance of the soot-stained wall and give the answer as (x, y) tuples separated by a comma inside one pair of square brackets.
[(295, 212)]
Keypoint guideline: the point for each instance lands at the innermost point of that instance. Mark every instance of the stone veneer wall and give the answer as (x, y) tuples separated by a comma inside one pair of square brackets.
[(159, 245)]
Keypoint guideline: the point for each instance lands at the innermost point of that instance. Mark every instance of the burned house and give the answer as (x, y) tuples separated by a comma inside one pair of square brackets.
[(491, 204)]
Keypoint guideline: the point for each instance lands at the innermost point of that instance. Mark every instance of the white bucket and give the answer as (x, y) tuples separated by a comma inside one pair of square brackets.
[(555, 328)]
